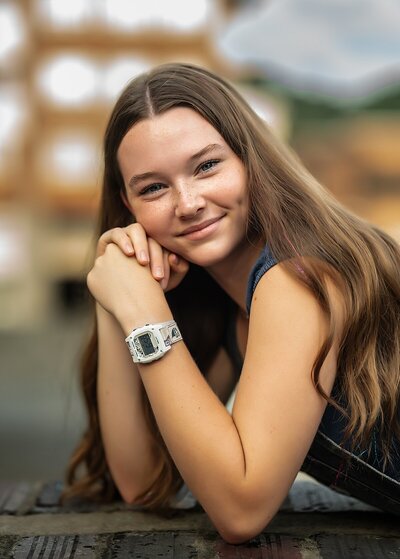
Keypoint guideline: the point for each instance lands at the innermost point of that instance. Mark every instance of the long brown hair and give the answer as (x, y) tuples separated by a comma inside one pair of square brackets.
[(305, 228)]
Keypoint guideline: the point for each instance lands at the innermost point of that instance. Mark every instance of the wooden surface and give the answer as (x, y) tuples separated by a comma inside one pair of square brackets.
[(314, 522)]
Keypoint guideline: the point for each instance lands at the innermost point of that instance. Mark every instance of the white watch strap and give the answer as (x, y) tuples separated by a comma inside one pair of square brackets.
[(164, 335), (170, 332)]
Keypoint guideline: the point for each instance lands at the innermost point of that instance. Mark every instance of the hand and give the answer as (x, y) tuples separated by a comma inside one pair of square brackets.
[(127, 289), (166, 267)]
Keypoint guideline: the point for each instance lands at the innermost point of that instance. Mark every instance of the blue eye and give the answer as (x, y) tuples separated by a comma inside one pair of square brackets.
[(208, 165), (156, 187)]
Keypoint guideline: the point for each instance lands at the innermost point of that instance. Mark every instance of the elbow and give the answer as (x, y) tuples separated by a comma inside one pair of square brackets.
[(132, 488), (241, 532), (244, 525), (235, 537), (129, 498), (132, 493)]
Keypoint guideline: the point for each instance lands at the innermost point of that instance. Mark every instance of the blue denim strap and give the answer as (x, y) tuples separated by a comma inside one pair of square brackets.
[(264, 262)]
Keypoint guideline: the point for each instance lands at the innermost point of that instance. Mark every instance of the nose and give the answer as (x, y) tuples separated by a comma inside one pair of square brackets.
[(188, 201)]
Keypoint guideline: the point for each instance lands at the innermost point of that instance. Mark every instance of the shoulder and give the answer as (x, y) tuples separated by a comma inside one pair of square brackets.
[(281, 291), (287, 320), (281, 301)]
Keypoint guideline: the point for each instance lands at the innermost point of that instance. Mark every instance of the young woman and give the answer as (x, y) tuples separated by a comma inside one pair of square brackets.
[(219, 256)]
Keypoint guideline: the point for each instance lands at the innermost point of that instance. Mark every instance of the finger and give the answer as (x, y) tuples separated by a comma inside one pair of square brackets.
[(167, 270), (117, 236), (156, 259), (173, 260), (178, 269), (178, 264), (139, 240)]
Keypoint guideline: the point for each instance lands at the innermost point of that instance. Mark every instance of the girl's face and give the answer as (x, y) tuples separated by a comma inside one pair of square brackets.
[(185, 186)]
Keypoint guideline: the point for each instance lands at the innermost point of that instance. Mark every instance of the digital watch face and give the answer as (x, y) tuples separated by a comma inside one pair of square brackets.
[(146, 344)]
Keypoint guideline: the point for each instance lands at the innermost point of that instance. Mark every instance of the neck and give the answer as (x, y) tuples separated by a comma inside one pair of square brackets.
[(232, 273)]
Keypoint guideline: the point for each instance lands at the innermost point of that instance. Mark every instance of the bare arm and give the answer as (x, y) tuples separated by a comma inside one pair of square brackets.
[(240, 468), (128, 445)]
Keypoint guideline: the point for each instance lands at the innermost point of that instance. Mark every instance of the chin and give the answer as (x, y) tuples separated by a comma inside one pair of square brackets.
[(206, 257)]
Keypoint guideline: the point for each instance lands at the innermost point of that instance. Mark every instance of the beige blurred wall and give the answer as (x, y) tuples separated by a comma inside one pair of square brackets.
[(61, 67)]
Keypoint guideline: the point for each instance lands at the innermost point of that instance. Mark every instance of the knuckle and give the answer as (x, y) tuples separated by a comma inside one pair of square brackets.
[(116, 233), (134, 227)]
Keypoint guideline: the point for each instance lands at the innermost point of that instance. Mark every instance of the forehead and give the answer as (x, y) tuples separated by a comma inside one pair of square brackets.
[(179, 129)]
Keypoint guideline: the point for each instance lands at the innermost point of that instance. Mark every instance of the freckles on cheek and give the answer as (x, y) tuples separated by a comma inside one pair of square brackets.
[(149, 225), (155, 221)]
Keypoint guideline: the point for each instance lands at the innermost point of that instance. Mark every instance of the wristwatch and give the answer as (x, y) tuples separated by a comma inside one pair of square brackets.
[(152, 341)]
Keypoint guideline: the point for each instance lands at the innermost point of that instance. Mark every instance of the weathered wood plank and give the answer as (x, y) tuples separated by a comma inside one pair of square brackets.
[(192, 545), (56, 547), (265, 546), (143, 546), (357, 546)]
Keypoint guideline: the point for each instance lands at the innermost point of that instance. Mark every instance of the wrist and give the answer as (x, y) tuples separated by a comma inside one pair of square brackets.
[(152, 341), (149, 315)]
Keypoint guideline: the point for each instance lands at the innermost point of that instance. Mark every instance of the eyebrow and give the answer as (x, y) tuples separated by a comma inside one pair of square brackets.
[(205, 151), (192, 159)]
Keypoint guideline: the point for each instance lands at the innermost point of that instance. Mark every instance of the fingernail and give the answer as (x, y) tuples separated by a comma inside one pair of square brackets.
[(143, 256), (175, 258), (159, 272), (129, 248)]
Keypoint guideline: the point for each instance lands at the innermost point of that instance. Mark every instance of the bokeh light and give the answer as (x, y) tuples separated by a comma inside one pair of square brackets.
[(119, 72), (177, 15), (71, 159), (71, 13), (12, 31), (13, 116), (69, 80)]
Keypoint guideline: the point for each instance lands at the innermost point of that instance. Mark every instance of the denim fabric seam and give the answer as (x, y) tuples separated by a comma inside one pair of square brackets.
[(267, 266), (350, 454), (270, 263)]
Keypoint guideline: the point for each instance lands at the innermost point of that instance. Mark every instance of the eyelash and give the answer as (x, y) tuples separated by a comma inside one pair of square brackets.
[(147, 189), (213, 161)]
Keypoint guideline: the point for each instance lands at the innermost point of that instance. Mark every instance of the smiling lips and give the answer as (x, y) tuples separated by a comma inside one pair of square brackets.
[(202, 229)]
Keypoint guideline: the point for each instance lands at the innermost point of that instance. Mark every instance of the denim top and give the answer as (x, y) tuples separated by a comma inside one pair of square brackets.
[(333, 422), (264, 262)]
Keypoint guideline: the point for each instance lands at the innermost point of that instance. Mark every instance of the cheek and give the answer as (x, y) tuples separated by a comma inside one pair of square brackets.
[(154, 218), (232, 191)]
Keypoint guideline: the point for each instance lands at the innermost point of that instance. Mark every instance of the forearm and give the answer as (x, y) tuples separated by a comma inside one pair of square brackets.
[(200, 434), (127, 441), (198, 431)]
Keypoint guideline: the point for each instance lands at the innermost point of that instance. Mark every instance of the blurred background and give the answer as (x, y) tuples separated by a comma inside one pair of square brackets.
[(325, 75)]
